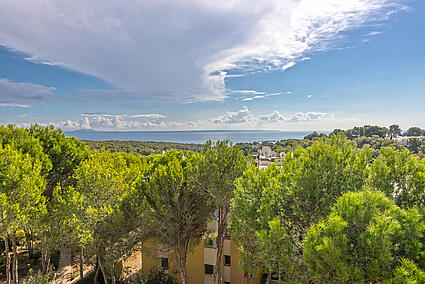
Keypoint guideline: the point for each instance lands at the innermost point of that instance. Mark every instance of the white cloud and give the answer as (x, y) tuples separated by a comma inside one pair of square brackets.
[(240, 116), (273, 117), (13, 105), (309, 96), (297, 117), (145, 115), (262, 96), (375, 33), (307, 116), (111, 122), (246, 92), (288, 65), (150, 115), (17, 94), (181, 49)]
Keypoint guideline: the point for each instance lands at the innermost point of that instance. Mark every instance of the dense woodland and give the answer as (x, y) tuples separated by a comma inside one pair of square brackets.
[(345, 208), (141, 147), (373, 137)]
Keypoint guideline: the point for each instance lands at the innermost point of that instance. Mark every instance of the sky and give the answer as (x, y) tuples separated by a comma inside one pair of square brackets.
[(209, 64)]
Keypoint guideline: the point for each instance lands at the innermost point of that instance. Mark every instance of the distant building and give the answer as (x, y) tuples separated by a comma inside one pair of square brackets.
[(404, 140), (265, 156)]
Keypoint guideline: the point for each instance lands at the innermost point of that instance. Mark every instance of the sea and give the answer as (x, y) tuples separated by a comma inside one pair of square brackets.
[(192, 137)]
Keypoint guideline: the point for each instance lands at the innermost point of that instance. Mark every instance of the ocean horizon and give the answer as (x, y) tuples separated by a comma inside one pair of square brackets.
[(190, 136)]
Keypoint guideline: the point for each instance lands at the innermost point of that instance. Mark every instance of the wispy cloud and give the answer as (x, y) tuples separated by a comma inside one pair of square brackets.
[(23, 94), (250, 95), (145, 115), (179, 49), (375, 33), (13, 105)]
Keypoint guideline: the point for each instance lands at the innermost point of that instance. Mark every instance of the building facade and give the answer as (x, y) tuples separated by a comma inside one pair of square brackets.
[(200, 262)]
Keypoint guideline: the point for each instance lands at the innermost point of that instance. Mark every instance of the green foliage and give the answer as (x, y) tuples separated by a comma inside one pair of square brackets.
[(400, 176), (363, 239), (316, 177), (407, 273), (21, 188), (65, 154), (253, 225), (221, 164), (365, 131), (177, 209), (394, 130), (414, 131), (155, 276), (142, 147), (273, 208), (40, 278), (314, 136)]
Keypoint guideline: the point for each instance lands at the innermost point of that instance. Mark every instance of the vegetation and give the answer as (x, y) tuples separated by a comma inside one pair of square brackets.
[(221, 164), (177, 209), (344, 207), (142, 147), (363, 240)]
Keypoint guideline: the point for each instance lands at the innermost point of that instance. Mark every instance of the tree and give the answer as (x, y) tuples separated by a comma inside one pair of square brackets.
[(221, 164), (255, 224), (64, 154), (394, 130), (102, 183), (21, 200), (314, 135), (177, 209), (287, 200), (363, 240), (317, 176), (414, 131), (401, 176)]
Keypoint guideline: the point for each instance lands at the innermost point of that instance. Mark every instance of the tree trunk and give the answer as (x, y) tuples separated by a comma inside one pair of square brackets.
[(15, 276), (247, 278), (6, 250), (28, 237), (182, 264), (105, 280), (96, 275), (45, 253), (81, 264), (221, 233)]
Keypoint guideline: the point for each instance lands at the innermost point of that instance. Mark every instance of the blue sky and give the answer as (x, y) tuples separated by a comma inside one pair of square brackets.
[(142, 65)]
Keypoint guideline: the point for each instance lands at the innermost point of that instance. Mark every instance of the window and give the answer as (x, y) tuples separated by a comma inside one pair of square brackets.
[(227, 260), (209, 269), (210, 243), (164, 263)]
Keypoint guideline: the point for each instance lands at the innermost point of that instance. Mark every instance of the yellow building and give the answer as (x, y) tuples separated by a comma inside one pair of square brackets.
[(200, 263)]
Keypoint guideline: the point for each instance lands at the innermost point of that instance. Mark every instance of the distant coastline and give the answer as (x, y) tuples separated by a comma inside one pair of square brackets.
[(190, 136)]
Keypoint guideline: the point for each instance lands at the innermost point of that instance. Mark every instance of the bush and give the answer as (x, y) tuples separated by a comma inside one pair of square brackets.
[(155, 276), (363, 240)]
